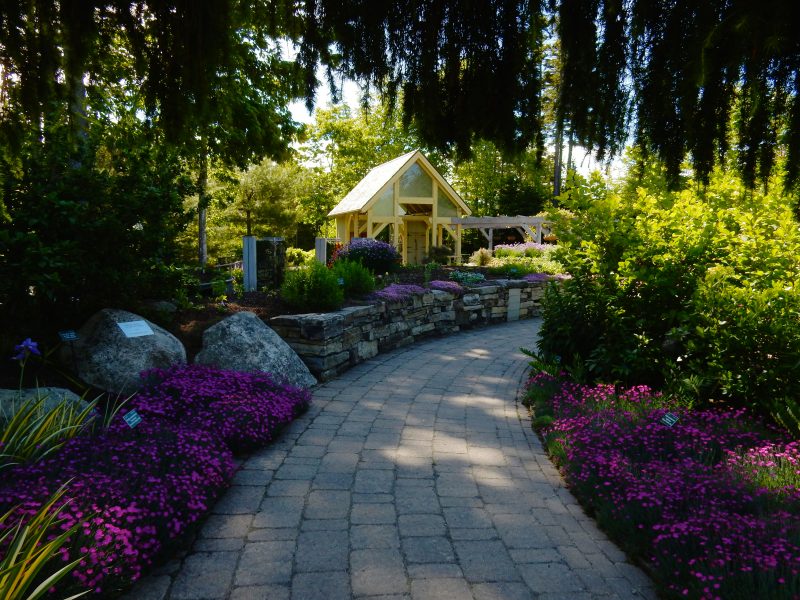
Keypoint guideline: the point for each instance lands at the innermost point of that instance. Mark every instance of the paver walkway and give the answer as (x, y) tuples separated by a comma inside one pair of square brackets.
[(414, 475)]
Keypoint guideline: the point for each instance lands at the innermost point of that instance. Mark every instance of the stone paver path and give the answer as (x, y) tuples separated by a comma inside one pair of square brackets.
[(415, 475)]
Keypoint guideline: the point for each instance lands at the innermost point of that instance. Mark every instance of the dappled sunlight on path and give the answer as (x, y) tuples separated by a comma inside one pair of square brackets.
[(414, 475)]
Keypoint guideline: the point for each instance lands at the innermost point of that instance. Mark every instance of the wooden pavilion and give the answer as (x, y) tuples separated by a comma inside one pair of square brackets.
[(408, 195)]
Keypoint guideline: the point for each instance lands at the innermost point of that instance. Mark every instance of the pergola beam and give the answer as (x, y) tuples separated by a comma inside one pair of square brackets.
[(486, 225)]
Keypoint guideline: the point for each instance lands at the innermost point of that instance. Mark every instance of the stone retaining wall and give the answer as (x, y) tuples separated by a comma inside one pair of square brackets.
[(330, 343)]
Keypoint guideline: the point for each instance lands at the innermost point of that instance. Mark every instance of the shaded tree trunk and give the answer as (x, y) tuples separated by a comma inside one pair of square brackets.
[(557, 160), (202, 208)]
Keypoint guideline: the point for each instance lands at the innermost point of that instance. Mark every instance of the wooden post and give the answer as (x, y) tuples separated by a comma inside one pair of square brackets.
[(458, 244)]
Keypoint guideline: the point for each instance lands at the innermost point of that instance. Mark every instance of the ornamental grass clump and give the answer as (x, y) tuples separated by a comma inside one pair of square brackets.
[(377, 256), (530, 249), (27, 569), (709, 503)]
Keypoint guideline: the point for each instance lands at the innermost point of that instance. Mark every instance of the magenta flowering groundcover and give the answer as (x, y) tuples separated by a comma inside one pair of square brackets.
[(710, 504), (138, 490)]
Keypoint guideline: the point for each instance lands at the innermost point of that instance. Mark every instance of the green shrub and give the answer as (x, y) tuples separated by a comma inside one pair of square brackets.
[(356, 279), (467, 277), (746, 343), (295, 257), (481, 257), (312, 288), (697, 286)]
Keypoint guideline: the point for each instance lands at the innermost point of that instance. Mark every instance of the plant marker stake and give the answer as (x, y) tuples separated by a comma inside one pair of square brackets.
[(132, 418), (70, 336), (669, 419)]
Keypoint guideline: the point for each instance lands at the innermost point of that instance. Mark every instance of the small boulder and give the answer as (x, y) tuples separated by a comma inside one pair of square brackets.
[(243, 342), (11, 400), (107, 358)]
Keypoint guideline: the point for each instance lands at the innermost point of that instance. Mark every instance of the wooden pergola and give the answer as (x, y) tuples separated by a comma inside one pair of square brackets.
[(535, 227)]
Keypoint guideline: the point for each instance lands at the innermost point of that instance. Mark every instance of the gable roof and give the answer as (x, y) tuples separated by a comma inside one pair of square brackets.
[(360, 197)]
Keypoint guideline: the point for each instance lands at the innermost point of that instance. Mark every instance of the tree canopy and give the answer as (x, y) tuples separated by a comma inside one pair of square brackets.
[(685, 76)]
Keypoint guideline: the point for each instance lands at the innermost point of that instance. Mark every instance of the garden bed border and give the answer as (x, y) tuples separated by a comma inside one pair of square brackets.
[(330, 343)]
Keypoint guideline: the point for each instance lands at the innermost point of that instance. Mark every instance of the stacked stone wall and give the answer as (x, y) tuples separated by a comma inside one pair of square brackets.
[(330, 343)]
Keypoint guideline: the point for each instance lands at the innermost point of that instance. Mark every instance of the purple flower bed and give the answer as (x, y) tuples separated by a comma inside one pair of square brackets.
[(245, 409), (139, 488), (710, 504), (451, 287), (397, 292), (538, 277), (522, 247), (143, 488)]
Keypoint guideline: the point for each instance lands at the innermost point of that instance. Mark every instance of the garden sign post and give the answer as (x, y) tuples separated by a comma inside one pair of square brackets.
[(249, 262)]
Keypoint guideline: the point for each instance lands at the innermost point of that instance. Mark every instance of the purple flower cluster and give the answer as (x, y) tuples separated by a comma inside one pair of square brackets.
[(24, 349), (245, 409), (451, 287), (710, 502), (376, 255), (534, 277), (397, 292), (139, 489), (523, 248)]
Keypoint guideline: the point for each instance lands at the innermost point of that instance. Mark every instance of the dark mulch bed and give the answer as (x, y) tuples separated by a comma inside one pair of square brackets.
[(188, 325)]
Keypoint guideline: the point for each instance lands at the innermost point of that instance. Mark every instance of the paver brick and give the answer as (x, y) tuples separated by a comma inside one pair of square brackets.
[(413, 475)]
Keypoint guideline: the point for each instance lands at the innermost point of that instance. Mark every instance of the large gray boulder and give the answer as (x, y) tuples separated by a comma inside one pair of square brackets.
[(107, 358), (11, 400), (243, 342)]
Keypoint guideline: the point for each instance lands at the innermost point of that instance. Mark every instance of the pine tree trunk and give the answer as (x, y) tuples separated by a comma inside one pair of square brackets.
[(557, 166), (202, 208)]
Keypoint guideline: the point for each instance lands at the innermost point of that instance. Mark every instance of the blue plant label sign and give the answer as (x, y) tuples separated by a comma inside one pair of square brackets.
[(132, 418), (68, 335), (133, 329), (341, 280), (669, 419)]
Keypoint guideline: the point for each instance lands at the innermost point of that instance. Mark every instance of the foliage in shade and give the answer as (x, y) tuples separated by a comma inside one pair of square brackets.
[(137, 491), (29, 550), (458, 80), (710, 503)]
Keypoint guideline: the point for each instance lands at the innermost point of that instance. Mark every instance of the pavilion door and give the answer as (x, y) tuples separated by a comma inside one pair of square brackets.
[(416, 232)]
